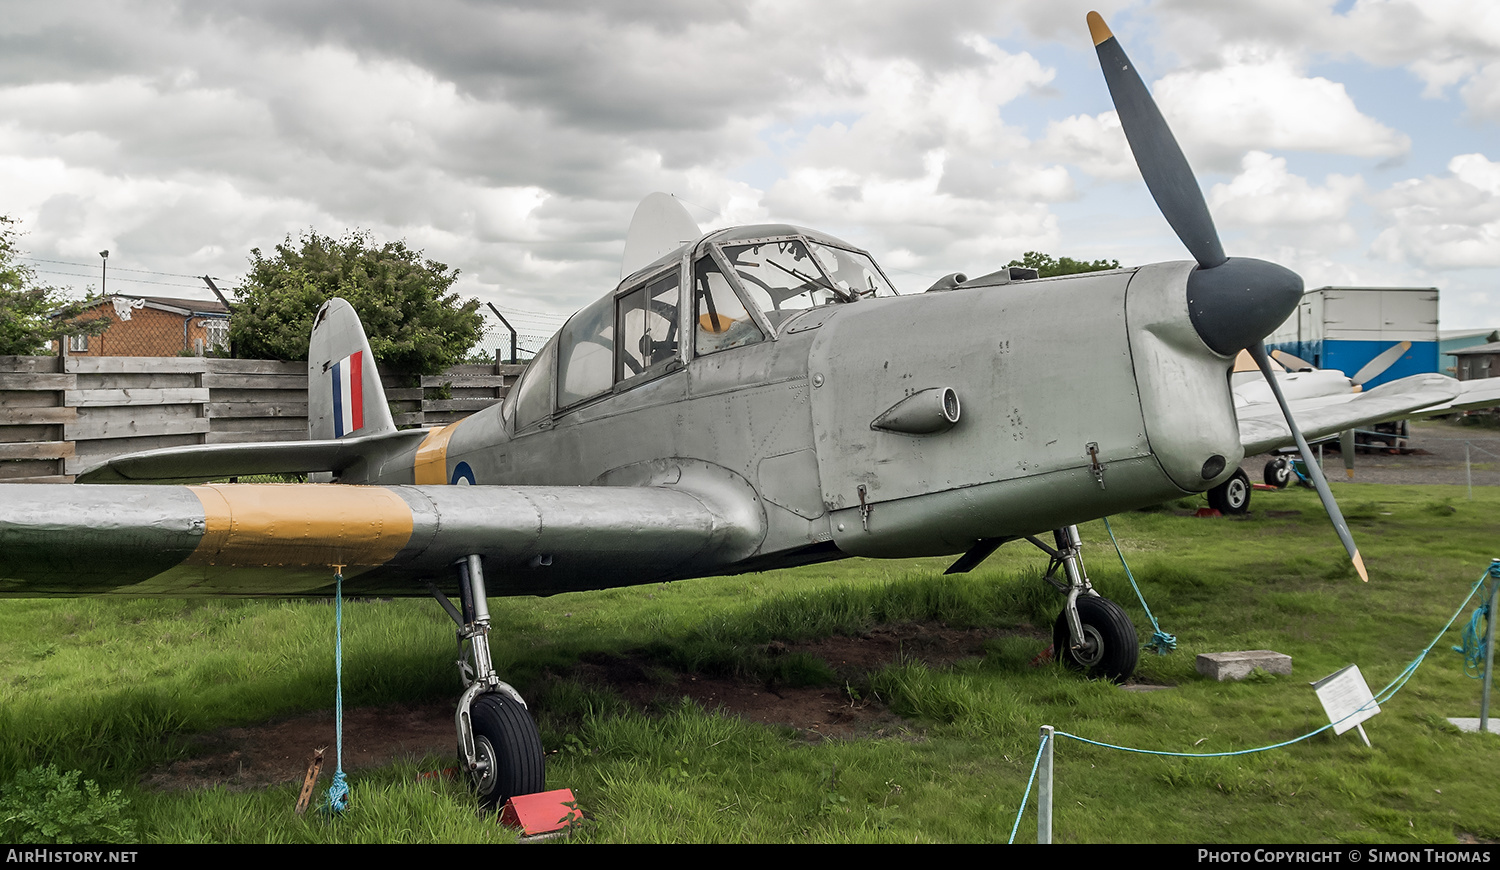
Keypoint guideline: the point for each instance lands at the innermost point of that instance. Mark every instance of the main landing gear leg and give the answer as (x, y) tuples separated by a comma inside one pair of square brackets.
[(1092, 634), (498, 744)]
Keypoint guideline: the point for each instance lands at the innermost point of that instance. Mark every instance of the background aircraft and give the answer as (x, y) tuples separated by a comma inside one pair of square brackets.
[(751, 398), (1328, 402)]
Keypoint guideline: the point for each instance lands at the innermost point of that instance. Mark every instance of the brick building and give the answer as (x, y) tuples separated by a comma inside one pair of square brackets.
[(154, 326)]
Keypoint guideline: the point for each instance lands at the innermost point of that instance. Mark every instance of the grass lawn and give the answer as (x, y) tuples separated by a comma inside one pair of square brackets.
[(114, 688)]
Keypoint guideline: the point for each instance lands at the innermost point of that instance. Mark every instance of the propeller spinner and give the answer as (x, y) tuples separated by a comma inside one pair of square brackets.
[(1234, 303)]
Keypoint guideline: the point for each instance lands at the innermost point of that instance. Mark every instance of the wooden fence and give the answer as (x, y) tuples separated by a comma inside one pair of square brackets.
[(59, 415)]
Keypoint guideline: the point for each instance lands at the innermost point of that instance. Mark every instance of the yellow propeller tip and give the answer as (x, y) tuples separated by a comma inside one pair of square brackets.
[(1098, 29), (1359, 566)]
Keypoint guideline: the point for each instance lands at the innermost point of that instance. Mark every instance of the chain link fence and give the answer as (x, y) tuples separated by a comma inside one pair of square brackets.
[(154, 327)]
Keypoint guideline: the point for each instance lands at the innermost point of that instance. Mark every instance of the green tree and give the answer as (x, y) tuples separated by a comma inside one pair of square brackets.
[(414, 324), (1047, 267), (32, 315)]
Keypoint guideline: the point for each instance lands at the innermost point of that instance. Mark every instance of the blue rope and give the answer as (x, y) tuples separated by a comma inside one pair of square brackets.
[(1161, 642), (1473, 639), (1027, 796), (338, 792), (1380, 697)]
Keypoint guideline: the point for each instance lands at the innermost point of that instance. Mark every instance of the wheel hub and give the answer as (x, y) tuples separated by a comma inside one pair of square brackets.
[(485, 772), (1092, 650)]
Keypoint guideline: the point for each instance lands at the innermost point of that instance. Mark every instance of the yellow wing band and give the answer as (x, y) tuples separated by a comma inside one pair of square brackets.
[(271, 525)]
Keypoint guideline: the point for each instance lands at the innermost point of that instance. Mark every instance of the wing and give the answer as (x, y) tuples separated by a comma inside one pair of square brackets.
[(247, 540), (1483, 393), (1262, 427)]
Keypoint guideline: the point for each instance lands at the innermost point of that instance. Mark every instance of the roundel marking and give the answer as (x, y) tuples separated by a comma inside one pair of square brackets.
[(463, 475)]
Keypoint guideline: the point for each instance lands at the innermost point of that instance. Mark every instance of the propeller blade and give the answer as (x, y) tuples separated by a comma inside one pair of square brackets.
[(1233, 303), (1168, 175), (1292, 362), (1313, 471), (1375, 367), (1346, 450)]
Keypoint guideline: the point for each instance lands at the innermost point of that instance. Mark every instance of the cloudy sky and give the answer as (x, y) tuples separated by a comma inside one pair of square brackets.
[(1353, 141)]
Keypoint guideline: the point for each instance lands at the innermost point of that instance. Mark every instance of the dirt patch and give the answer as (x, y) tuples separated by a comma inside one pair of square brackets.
[(256, 756), (816, 712)]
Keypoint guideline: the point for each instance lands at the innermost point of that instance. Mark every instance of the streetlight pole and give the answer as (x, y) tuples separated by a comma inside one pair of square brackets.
[(103, 271)]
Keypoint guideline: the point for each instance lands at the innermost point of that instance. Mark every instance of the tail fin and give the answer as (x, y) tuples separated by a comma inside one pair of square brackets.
[(344, 395), (660, 226)]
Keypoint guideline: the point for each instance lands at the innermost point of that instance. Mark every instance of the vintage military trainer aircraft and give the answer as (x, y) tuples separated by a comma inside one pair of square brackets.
[(745, 399)]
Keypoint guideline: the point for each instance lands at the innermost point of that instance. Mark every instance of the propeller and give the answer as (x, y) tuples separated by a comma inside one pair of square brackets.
[(1234, 303), (1367, 372), (1377, 366), (1292, 362)]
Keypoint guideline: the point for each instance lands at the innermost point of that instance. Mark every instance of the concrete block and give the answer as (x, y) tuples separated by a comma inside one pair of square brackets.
[(1238, 665)]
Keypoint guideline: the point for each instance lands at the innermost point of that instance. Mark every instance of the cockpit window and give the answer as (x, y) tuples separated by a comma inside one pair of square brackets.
[(532, 396), (851, 271), (720, 319), (648, 327), (586, 353), (782, 278)]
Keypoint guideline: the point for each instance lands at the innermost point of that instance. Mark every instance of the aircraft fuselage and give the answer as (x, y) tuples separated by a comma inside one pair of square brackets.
[(1077, 397)]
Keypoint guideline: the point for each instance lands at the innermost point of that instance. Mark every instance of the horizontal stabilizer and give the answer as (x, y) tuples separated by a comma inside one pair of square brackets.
[(202, 462)]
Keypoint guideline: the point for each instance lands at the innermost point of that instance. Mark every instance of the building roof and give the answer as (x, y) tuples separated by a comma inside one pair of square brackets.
[(1450, 334), (175, 304)]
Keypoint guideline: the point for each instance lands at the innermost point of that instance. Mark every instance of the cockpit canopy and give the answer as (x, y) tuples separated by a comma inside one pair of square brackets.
[(782, 270), (728, 289)]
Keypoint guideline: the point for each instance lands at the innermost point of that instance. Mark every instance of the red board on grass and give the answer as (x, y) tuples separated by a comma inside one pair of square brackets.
[(541, 812)]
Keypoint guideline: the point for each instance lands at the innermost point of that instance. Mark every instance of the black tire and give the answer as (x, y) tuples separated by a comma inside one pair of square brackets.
[(1278, 473), (1116, 646), (1233, 495), (506, 738)]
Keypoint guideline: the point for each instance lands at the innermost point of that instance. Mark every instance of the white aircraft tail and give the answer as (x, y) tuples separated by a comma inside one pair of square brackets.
[(660, 226), (344, 394)]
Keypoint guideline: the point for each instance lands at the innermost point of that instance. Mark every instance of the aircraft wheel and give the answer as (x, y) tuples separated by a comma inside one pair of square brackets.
[(1233, 495), (1113, 645), (509, 748), (1278, 473)]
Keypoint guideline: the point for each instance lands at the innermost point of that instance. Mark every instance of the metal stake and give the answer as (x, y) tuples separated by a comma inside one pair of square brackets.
[(1044, 790), (1468, 475), (1489, 649)]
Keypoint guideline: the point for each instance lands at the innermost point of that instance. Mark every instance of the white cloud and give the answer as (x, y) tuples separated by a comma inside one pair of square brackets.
[(927, 168), (1444, 43), (513, 140), (1276, 204), (1481, 93), (1449, 221), (1094, 143), (1265, 102)]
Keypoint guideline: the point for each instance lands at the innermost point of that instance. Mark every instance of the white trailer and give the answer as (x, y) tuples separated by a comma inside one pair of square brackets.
[(1345, 327)]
